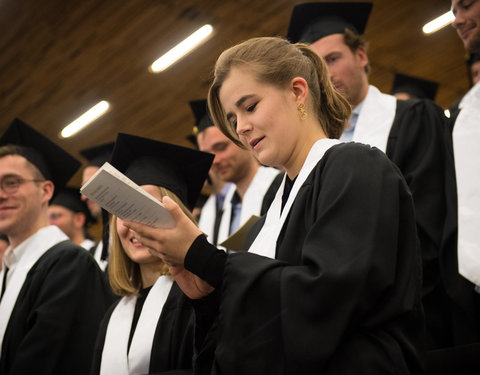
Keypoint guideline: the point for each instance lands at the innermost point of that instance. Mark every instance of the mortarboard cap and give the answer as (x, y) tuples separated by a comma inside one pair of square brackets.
[(146, 161), (69, 197), (312, 21), (418, 88), (53, 162), (98, 155), (202, 117), (473, 58)]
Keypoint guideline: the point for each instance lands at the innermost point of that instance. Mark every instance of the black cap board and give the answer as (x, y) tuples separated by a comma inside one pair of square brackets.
[(312, 21), (98, 155), (69, 197), (473, 58), (54, 163), (202, 117), (418, 88), (146, 161)]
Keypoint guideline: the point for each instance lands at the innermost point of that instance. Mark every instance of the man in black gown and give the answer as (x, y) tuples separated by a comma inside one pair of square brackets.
[(409, 132), (53, 293)]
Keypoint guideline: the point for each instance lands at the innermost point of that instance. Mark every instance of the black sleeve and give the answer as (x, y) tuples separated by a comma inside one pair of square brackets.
[(206, 261)]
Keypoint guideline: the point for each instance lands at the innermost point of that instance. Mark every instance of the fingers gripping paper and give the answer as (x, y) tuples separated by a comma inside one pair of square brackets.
[(120, 196)]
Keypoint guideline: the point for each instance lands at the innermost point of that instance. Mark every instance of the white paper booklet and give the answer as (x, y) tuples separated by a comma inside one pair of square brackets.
[(122, 197)]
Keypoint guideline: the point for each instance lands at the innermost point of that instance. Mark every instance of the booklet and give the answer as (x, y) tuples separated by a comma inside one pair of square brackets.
[(236, 241), (116, 193)]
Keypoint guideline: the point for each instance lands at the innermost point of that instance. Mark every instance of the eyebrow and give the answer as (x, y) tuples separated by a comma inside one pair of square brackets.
[(460, 3), (238, 103), (10, 175)]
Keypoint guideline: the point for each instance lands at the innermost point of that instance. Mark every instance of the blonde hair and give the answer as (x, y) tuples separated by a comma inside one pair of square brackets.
[(276, 61), (123, 273)]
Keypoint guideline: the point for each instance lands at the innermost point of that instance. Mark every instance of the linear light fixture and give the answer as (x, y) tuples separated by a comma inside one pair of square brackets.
[(438, 23), (181, 49), (88, 117)]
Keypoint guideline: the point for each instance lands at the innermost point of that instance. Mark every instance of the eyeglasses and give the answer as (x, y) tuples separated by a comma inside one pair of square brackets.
[(10, 184)]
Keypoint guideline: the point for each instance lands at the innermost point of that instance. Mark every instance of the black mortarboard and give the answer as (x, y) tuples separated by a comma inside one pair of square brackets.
[(98, 155), (202, 117), (146, 161), (69, 197), (54, 163), (419, 88), (473, 58), (312, 21)]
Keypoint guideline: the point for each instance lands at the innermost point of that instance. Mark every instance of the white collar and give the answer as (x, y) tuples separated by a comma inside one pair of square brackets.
[(26, 255), (114, 355), (266, 242), (375, 119)]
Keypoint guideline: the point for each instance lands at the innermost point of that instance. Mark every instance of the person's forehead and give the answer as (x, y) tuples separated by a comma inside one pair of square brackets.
[(329, 44), (14, 163), (211, 136)]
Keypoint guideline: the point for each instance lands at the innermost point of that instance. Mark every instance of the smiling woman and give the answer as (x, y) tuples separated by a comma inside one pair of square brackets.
[(153, 322)]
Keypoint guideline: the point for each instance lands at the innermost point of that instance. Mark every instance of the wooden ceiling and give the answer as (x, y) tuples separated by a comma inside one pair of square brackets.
[(60, 57)]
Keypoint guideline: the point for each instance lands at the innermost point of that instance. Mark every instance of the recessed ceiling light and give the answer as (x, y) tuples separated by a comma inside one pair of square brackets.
[(88, 117), (438, 23), (181, 49)]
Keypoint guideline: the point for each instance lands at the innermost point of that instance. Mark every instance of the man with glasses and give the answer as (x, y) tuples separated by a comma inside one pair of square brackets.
[(53, 295)]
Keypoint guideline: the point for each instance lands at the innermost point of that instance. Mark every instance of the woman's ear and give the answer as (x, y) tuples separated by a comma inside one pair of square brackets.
[(299, 88)]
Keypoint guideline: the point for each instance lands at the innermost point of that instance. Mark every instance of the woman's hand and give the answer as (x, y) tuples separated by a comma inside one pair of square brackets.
[(193, 286), (171, 245)]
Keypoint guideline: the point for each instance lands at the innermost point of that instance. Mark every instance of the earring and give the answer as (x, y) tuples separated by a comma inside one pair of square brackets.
[(302, 111)]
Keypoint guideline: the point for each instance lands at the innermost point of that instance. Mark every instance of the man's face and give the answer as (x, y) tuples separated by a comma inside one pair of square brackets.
[(95, 209), (63, 218), (467, 23), (231, 163), (346, 68), (21, 209)]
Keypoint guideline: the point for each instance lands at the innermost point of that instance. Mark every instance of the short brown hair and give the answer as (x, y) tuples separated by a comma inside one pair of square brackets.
[(276, 61), (124, 274), (17, 150), (354, 42)]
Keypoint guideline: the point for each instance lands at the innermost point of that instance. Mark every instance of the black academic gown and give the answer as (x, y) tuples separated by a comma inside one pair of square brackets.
[(466, 302), (172, 347), (343, 295), (416, 144), (55, 320), (462, 356)]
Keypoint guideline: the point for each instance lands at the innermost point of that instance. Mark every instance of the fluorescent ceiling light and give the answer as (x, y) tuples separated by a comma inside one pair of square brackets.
[(91, 115), (438, 23), (181, 49)]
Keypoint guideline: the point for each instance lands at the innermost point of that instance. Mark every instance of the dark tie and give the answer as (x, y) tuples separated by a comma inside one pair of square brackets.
[(4, 284)]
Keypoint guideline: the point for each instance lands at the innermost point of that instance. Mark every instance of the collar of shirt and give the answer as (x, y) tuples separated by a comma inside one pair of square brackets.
[(13, 256), (347, 134)]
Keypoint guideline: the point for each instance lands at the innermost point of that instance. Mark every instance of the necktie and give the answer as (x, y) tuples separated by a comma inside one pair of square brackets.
[(4, 284)]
